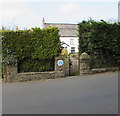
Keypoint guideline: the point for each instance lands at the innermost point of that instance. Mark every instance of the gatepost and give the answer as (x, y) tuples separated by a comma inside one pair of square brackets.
[(11, 72), (85, 60), (59, 66), (10, 69)]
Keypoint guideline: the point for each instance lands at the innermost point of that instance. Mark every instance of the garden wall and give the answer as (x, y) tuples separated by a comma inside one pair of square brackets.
[(11, 73), (34, 76)]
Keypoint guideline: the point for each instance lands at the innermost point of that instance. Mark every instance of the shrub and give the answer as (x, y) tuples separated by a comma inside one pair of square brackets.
[(100, 40), (32, 48)]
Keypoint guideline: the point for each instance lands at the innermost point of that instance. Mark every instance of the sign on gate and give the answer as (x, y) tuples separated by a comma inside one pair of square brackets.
[(60, 62)]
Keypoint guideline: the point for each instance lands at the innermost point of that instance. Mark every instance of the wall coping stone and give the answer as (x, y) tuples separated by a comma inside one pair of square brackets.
[(100, 70), (33, 73)]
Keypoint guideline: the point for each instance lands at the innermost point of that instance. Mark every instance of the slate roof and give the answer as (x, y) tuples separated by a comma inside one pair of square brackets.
[(65, 30)]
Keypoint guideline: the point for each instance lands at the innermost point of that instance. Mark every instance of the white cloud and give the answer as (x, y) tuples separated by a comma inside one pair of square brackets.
[(70, 8), (27, 15), (18, 14), (12, 10), (76, 12)]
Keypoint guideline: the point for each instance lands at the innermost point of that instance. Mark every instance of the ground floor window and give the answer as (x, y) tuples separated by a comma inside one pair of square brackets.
[(72, 49)]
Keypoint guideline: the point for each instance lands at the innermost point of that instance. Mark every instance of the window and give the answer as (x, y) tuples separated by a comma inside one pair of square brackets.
[(72, 49), (72, 41)]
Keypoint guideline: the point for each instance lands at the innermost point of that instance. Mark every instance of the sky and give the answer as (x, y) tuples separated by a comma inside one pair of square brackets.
[(28, 14)]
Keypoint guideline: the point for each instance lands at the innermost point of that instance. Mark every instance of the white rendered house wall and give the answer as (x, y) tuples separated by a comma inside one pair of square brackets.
[(71, 41)]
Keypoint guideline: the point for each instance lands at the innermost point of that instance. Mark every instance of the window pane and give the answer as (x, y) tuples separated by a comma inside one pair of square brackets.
[(72, 49), (72, 41)]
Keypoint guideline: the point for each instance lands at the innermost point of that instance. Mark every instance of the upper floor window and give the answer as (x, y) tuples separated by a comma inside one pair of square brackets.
[(72, 41)]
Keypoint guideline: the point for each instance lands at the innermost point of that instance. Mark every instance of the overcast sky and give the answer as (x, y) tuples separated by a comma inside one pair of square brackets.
[(29, 13)]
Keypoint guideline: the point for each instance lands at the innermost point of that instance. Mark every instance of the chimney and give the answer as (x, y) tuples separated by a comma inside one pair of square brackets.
[(17, 28), (43, 23)]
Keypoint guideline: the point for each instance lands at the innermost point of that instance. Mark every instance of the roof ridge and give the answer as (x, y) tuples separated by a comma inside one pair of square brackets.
[(62, 23)]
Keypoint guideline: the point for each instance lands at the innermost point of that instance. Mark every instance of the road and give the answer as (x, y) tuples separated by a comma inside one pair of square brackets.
[(93, 94)]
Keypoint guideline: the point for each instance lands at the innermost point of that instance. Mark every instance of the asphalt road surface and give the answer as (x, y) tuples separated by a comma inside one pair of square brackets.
[(93, 94)]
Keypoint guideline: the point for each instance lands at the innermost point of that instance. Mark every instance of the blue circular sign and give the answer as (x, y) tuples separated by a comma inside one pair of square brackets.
[(60, 62)]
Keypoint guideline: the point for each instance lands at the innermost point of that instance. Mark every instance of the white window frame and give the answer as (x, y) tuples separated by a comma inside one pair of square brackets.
[(71, 41), (72, 49)]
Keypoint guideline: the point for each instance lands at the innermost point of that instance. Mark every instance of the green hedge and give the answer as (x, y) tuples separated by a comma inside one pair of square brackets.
[(36, 65), (32, 48), (101, 41)]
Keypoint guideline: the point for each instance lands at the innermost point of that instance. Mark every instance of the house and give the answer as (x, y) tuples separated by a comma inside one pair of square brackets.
[(68, 35)]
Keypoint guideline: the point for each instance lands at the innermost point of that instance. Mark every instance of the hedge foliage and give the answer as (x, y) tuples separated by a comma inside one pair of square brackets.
[(101, 41), (32, 48)]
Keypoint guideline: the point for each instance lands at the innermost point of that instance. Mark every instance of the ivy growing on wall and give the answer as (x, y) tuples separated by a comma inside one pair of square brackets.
[(101, 41)]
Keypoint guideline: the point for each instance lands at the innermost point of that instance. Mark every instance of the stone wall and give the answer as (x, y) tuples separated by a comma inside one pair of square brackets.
[(84, 63), (101, 70), (34, 76), (29, 76), (11, 73), (60, 70)]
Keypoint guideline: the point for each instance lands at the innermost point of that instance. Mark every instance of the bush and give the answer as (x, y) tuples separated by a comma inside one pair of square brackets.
[(36, 65), (100, 40), (34, 49)]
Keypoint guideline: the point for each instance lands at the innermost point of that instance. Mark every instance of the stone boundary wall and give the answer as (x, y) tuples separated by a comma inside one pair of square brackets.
[(29, 76), (101, 70), (11, 73), (85, 60)]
